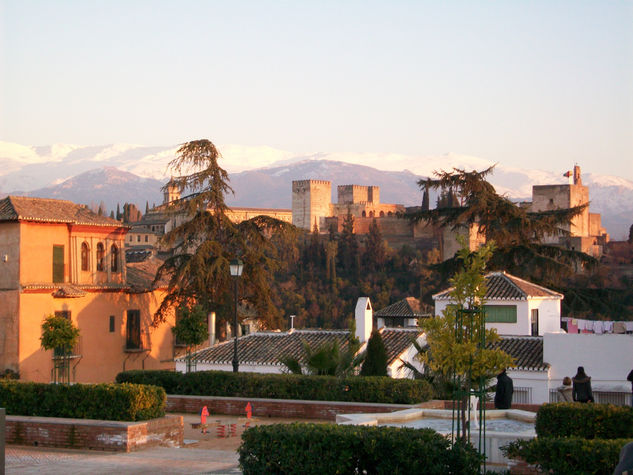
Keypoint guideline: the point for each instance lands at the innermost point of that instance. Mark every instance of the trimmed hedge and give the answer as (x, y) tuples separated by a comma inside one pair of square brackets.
[(285, 386), (326, 448), (568, 455), (111, 402), (588, 421)]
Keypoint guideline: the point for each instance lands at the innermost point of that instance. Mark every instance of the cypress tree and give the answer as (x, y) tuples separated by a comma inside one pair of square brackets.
[(375, 363)]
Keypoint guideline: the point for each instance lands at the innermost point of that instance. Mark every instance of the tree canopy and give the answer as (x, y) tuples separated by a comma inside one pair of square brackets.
[(519, 234), (204, 241)]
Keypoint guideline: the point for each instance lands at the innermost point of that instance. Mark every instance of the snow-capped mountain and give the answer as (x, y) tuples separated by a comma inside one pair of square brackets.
[(261, 176)]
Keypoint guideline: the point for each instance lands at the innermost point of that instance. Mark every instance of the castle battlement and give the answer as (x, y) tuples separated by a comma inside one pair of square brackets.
[(310, 182)]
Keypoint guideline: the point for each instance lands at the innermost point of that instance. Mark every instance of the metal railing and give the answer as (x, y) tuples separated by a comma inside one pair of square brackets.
[(617, 398), (522, 395)]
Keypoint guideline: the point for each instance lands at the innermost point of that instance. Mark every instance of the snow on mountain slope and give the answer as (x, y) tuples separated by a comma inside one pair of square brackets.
[(28, 168)]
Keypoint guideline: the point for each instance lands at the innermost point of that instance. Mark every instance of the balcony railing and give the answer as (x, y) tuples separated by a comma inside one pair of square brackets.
[(522, 395), (138, 343)]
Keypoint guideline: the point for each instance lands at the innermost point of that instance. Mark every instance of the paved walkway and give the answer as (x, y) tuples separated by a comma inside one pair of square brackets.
[(201, 454)]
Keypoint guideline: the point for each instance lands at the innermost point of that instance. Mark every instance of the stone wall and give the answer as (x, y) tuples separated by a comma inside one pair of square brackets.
[(275, 407), (93, 434)]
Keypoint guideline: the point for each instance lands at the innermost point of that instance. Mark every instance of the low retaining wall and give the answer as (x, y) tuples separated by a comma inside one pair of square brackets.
[(94, 434), (236, 406)]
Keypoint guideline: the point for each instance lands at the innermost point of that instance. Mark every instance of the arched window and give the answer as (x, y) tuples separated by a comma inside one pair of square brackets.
[(382, 214), (100, 257), (85, 256), (389, 213), (364, 214), (114, 258), (371, 214)]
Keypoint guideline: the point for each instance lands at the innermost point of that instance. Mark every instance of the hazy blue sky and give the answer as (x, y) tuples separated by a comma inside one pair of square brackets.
[(538, 84)]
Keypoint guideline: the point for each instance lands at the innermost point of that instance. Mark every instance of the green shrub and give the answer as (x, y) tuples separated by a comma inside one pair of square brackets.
[(326, 448), (285, 386), (113, 402), (568, 455), (589, 421)]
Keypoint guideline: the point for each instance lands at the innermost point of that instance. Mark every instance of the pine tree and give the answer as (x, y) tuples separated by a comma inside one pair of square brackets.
[(519, 235), (146, 207), (205, 243), (348, 248), (375, 363), (118, 212)]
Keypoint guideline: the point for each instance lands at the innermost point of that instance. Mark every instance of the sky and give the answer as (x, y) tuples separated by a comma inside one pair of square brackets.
[(540, 84)]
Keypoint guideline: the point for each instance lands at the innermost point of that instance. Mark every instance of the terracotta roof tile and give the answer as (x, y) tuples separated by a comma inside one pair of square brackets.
[(527, 351), (140, 275), (408, 307), (23, 208), (503, 286), (397, 341)]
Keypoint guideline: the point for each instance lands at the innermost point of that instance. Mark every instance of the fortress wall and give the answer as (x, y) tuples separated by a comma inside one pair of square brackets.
[(551, 197)]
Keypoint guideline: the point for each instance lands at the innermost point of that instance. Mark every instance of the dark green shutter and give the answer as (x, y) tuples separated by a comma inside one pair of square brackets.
[(58, 264), (501, 313)]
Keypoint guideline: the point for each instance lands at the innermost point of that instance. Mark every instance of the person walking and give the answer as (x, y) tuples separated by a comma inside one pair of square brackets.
[(505, 389), (582, 386), (630, 378), (565, 391)]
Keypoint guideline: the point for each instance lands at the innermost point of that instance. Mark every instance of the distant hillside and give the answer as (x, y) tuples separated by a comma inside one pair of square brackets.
[(107, 184), (272, 187)]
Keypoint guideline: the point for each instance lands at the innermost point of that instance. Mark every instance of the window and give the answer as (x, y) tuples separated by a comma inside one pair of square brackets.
[(63, 313), (501, 313), (58, 264), (114, 258), (133, 330), (138, 238), (85, 256), (100, 257), (364, 214), (534, 321), (382, 214), (111, 323), (146, 238)]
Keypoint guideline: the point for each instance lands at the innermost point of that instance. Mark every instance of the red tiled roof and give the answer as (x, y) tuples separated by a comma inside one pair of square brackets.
[(23, 208), (140, 275), (503, 286)]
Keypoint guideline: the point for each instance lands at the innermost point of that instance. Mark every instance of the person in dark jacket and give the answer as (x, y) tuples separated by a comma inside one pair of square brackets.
[(503, 394), (630, 378), (582, 386)]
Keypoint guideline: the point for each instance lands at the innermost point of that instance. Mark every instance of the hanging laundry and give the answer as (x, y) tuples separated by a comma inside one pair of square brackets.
[(598, 327), (608, 327), (619, 327), (629, 326)]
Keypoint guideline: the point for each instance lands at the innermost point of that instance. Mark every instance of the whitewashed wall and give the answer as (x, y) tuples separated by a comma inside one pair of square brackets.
[(549, 315), (244, 368), (537, 380), (409, 355), (607, 358)]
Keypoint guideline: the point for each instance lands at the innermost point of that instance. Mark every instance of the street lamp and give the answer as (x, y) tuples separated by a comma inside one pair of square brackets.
[(236, 266)]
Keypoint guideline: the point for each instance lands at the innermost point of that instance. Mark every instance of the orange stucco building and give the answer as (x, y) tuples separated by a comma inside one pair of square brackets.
[(57, 257)]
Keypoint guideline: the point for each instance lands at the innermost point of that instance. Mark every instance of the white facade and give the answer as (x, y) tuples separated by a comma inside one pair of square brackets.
[(548, 315), (606, 358)]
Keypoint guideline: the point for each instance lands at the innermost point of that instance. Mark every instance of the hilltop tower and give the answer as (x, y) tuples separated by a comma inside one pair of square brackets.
[(171, 193), (311, 203)]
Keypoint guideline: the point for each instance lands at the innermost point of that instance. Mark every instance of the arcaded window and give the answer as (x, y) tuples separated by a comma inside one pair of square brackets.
[(100, 257), (114, 258), (85, 256)]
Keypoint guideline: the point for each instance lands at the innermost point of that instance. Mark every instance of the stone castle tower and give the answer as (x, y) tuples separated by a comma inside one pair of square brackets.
[(311, 203), (171, 193)]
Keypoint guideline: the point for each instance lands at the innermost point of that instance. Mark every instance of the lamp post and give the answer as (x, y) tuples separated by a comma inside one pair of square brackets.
[(236, 266)]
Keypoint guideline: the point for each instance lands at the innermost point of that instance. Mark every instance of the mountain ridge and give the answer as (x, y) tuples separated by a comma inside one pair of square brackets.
[(261, 176)]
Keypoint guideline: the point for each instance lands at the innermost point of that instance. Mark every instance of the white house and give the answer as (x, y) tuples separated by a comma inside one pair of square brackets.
[(527, 317), (514, 306), (261, 352)]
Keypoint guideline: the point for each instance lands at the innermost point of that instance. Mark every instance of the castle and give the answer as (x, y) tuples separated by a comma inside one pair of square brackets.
[(585, 232)]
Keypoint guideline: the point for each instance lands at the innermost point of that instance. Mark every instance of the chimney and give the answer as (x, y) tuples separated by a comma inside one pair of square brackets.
[(211, 326), (363, 316)]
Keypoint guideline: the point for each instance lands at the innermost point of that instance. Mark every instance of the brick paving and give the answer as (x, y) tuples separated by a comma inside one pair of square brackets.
[(201, 454)]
